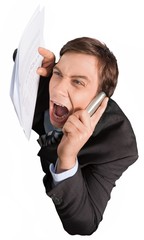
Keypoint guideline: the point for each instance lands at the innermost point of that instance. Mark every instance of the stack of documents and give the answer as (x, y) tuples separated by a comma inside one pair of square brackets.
[(25, 80)]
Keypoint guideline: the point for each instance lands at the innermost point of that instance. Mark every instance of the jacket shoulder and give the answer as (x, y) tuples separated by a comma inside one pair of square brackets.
[(112, 117), (113, 138)]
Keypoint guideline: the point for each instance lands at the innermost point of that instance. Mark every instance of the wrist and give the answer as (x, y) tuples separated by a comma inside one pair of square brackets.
[(64, 165)]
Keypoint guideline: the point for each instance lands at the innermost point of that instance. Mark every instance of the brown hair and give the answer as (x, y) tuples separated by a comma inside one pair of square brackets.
[(108, 68)]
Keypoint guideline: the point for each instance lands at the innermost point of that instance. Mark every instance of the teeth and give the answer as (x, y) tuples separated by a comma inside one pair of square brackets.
[(62, 117), (59, 104)]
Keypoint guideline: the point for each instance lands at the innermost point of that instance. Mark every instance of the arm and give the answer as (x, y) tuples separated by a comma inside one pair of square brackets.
[(80, 201)]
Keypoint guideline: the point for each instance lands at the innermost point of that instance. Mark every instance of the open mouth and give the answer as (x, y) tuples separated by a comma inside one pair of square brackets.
[(60, 111), (59, 114)]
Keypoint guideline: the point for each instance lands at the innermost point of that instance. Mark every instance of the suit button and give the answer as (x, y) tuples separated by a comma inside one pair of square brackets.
[(57, 200)]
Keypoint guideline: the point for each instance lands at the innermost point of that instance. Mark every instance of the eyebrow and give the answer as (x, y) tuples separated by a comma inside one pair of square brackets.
[(74, 76), (55, 67)]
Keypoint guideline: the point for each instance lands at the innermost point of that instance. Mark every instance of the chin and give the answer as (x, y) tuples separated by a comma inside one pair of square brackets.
[(56, 125)]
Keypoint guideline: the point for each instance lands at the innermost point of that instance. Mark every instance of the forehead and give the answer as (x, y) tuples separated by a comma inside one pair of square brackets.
[(79, 62)]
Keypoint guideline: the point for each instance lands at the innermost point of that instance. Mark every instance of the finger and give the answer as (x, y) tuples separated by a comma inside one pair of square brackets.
[(72, 124), (45, 71), (84, 117), (46, 54), (48, 57), (42, 72), (97, 115), (79, 122), (47, 63)]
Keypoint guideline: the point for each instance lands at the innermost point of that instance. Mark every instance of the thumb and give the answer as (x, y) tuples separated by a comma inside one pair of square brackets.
[(46, 54)]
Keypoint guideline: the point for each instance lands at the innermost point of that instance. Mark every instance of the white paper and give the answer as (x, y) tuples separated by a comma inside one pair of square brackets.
[(25, 80)]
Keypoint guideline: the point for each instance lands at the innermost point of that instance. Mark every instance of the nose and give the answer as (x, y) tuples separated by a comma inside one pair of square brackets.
[(62, 87)]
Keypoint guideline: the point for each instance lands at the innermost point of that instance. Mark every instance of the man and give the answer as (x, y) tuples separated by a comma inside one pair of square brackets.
[(81, 169)]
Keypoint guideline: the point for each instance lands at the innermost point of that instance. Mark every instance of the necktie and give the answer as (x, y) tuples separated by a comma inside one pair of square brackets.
[(51, 138)]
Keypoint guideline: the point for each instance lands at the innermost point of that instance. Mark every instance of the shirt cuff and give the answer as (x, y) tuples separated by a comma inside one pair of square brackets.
[(58, 177)]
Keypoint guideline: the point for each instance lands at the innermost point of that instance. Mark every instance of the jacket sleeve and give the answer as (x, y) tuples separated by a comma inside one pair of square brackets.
[(81, 199), (42, 103)]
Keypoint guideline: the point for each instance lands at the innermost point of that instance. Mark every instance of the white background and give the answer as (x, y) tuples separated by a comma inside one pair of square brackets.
[(25, 210)]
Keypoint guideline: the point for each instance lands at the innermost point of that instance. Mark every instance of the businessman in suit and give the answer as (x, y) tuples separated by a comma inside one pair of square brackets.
[(92, 153)]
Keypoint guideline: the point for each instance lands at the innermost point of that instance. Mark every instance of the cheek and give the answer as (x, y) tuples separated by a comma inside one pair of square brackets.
[(83, 98), (80, 101), (51, 84)]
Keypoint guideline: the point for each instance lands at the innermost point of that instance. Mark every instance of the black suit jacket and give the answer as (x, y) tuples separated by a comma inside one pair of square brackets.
[(80, 200)]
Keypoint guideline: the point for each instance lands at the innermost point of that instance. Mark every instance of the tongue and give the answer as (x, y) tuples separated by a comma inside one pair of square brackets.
[(60, 111)]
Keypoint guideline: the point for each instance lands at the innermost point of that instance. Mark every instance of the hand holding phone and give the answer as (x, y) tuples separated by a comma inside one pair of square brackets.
[(95, 103)]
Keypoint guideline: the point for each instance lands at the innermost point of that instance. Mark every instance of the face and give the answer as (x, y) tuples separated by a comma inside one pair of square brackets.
[(74, 83)]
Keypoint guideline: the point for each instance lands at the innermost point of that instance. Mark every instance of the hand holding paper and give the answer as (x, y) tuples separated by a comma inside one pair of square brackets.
[(47, 63)]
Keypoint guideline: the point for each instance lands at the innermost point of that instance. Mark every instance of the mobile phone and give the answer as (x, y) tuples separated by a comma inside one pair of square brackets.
[(95, 103)]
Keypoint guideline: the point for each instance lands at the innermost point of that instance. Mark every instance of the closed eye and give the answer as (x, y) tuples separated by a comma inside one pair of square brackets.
[(79, 82), (56, 72)]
